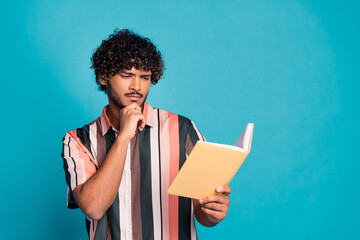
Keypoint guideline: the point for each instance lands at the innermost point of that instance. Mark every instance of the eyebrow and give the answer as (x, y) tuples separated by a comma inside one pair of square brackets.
[(131, 74)]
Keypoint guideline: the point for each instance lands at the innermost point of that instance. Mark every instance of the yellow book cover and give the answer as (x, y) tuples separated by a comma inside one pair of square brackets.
[(211, 165)]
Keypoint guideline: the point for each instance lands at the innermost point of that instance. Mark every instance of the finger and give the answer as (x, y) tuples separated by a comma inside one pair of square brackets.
[(225, 190), (132, 106), (135, 112), (216, 206), (142, 122), (214, 198), (215, 214), (138, 117), (221, 205), (135, 116), (138, 108)]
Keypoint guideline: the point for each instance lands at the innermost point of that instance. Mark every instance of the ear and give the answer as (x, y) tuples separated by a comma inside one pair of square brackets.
[(102, 80)]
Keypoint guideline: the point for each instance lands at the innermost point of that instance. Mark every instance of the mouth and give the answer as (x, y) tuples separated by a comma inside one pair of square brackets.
[(134, 97)]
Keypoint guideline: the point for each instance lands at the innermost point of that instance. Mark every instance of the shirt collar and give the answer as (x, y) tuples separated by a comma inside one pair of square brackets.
[(148, 112)]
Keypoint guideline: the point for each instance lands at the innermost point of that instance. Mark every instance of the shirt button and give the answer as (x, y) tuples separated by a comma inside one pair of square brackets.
[(128, 201), (128, 171), (129, 231)]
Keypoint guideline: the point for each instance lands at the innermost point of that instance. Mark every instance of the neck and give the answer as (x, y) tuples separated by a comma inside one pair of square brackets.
[(113, 114)]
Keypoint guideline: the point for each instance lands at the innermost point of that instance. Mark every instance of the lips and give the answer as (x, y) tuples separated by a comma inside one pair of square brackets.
[(134, 97)]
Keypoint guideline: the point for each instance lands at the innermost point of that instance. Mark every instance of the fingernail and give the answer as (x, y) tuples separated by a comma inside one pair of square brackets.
[(219, 189), (201, 201)]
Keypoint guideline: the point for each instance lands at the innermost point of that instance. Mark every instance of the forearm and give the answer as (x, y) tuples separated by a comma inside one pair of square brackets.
[(97, 194)]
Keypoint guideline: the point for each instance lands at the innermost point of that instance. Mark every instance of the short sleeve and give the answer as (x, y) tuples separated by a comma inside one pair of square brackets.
[(78, 166), (192, 137)]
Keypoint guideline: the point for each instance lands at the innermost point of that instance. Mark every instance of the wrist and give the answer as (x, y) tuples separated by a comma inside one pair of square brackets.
[(123, 139)]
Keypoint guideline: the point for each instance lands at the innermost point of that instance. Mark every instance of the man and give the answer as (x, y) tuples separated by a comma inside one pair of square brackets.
[(119, 166)]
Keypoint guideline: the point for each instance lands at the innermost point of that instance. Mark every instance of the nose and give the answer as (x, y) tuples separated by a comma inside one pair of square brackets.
[(135, 84)]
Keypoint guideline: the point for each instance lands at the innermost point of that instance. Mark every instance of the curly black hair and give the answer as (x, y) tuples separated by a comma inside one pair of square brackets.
[(124, 50)]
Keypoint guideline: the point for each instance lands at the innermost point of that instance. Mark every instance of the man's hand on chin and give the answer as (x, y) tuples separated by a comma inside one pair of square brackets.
[(131, 120)]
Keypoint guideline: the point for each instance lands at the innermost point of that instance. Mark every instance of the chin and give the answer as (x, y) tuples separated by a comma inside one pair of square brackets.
[(141, 103)]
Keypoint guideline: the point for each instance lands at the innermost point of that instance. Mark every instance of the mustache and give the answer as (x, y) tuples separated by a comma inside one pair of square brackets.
[(133, 93)]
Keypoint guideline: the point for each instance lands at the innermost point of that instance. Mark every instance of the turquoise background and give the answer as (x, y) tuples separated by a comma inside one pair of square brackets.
[(291, 67)]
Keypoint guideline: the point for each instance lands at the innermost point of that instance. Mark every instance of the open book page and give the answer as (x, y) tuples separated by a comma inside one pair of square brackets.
[(244, 140), (226, 146)]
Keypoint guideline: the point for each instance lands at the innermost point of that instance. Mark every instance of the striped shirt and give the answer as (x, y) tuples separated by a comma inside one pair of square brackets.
[(142, 209)]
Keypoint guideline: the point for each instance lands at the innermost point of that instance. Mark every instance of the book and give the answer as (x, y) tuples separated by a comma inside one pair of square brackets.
[(211, 165)]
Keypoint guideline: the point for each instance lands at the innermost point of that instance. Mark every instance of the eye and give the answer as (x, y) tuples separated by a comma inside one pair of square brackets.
[(146, 78), (125, 76)]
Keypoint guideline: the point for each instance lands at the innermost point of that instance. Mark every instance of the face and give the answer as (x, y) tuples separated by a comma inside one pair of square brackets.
[(127, 87)]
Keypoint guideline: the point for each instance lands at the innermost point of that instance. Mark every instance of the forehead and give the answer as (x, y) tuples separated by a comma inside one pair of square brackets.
[(133, 70)]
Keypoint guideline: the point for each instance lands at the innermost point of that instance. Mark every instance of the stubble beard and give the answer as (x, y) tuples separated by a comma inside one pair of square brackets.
[(115, 98)]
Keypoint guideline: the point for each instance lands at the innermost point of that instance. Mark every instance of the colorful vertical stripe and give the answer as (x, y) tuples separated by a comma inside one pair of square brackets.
[(142, 209)]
